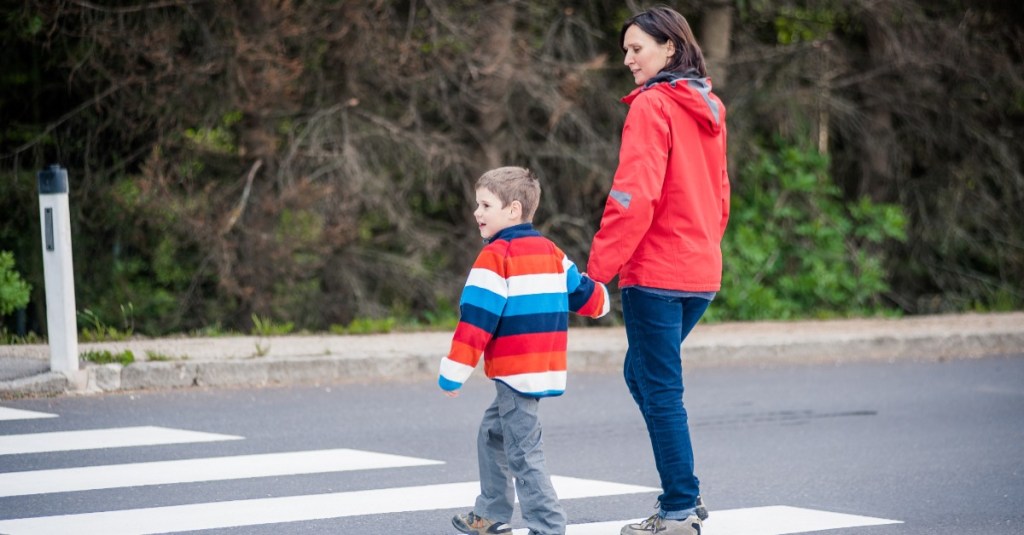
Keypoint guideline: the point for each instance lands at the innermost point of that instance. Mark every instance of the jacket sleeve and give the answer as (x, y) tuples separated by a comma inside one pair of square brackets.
[(726, 187), (483, 300), (587, 297), (629, 210)]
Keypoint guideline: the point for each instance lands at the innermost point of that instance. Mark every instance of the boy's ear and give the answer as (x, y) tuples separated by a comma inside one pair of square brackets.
[(517, 209)]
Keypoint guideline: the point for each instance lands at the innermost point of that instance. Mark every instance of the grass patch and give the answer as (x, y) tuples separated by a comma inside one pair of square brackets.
[(123, 358), (264, 326), (365, 326), (11, 339), (156, 356)]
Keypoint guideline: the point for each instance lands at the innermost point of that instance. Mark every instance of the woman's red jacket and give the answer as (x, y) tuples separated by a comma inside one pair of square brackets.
[(669, 204)]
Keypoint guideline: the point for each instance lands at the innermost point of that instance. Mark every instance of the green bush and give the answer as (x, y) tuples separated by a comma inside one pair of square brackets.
[(14, 292), (794, 248)]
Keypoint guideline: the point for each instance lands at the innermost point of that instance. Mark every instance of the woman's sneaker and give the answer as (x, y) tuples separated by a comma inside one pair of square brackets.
[(702, 512), (478, 525), (691, 525)]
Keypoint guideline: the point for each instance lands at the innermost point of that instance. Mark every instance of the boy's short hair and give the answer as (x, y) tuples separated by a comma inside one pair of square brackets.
[(513, 184)]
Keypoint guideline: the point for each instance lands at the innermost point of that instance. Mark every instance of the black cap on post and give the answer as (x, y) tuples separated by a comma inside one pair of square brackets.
[(53, 179)]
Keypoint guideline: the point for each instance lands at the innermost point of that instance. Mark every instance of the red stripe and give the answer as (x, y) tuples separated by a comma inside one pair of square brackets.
[(471, 335), (491, 258), (534, 245), (526, 363), (527, 343), (533, 264), (593, 307)]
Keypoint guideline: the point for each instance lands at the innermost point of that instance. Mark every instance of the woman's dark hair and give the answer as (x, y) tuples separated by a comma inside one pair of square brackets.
[(664, 24)]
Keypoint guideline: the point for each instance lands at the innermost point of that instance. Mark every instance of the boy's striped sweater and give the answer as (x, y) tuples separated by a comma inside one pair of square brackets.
[(515, 311)]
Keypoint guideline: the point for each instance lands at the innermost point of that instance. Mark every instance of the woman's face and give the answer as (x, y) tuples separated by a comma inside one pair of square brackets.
[(645, 57)]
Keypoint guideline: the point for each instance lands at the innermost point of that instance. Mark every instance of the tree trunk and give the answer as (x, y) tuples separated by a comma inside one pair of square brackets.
[(490, 88), (877, 143), (715, 35)]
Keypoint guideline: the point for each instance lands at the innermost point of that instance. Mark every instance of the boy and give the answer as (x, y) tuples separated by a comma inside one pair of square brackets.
[(514, 311)]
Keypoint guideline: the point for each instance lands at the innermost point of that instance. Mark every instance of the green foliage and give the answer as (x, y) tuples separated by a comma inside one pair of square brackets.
[(444, 316), (218, 139), (795, 24), (366, 326), (156, 356), (215, 330), (264, 326), (96, 330), (14, 291), (793, 249), (8, 338), (359, 208), (123, 358)]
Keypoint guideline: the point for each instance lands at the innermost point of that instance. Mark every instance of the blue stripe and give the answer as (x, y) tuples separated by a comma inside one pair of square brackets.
[(536, 304), (447, 384), (581, 294), (479, 317), (481, 298), (572, 278), (533, 323)]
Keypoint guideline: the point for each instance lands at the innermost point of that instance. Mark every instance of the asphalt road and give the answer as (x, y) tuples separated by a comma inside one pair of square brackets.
[(936, 446)]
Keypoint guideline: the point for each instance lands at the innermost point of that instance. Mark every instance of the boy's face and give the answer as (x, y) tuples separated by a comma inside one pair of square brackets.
[(492, 217)]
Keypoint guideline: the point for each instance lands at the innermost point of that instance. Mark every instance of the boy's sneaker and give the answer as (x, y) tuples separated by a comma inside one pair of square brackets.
[(691, 525), (478, 525)]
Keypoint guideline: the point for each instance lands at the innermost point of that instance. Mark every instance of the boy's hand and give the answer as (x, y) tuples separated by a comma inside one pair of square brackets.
[(451, 393)]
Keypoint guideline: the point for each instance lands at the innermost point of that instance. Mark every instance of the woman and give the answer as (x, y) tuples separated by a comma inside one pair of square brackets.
[(661, 234)]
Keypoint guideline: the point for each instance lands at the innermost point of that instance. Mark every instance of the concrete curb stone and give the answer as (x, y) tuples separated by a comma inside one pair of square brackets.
[(232, 361)]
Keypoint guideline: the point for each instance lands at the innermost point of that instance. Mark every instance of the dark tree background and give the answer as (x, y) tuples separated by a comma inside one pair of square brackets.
[(313, 161)]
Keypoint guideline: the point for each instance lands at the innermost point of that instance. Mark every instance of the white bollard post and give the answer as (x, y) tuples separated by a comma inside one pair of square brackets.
[(61, 318)]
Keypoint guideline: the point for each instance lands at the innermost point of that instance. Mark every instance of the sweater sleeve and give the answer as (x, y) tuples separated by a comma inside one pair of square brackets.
[(483, 300), (587, 297), (636, 187)]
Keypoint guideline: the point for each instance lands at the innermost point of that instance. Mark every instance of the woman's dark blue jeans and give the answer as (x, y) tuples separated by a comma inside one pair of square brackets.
[(656, 326)]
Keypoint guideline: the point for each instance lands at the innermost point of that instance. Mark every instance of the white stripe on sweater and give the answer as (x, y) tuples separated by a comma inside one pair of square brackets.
[(488, 280), (535, 383), (455, 371), (547, 283)]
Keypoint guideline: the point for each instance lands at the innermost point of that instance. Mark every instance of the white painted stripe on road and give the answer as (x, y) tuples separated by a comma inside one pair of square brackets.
[(773, 520), (7, 413), (288, 509), (117, 437), (194, 470)]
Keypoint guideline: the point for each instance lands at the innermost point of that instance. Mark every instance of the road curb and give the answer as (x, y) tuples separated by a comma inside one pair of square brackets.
[(407, 356)]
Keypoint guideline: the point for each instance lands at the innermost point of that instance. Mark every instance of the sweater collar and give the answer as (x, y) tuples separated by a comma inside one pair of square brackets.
[(515, 231)]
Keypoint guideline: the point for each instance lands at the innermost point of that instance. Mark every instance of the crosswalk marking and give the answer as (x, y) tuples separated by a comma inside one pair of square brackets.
[(102, 438), (195, 470), (772, 520), (288, 509), (7, 413)]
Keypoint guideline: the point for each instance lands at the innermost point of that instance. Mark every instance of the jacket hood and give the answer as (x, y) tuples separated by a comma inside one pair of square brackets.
[(692, 92)]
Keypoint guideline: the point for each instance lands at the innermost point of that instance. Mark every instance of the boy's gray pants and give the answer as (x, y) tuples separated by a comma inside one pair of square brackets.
[(509, 446)]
